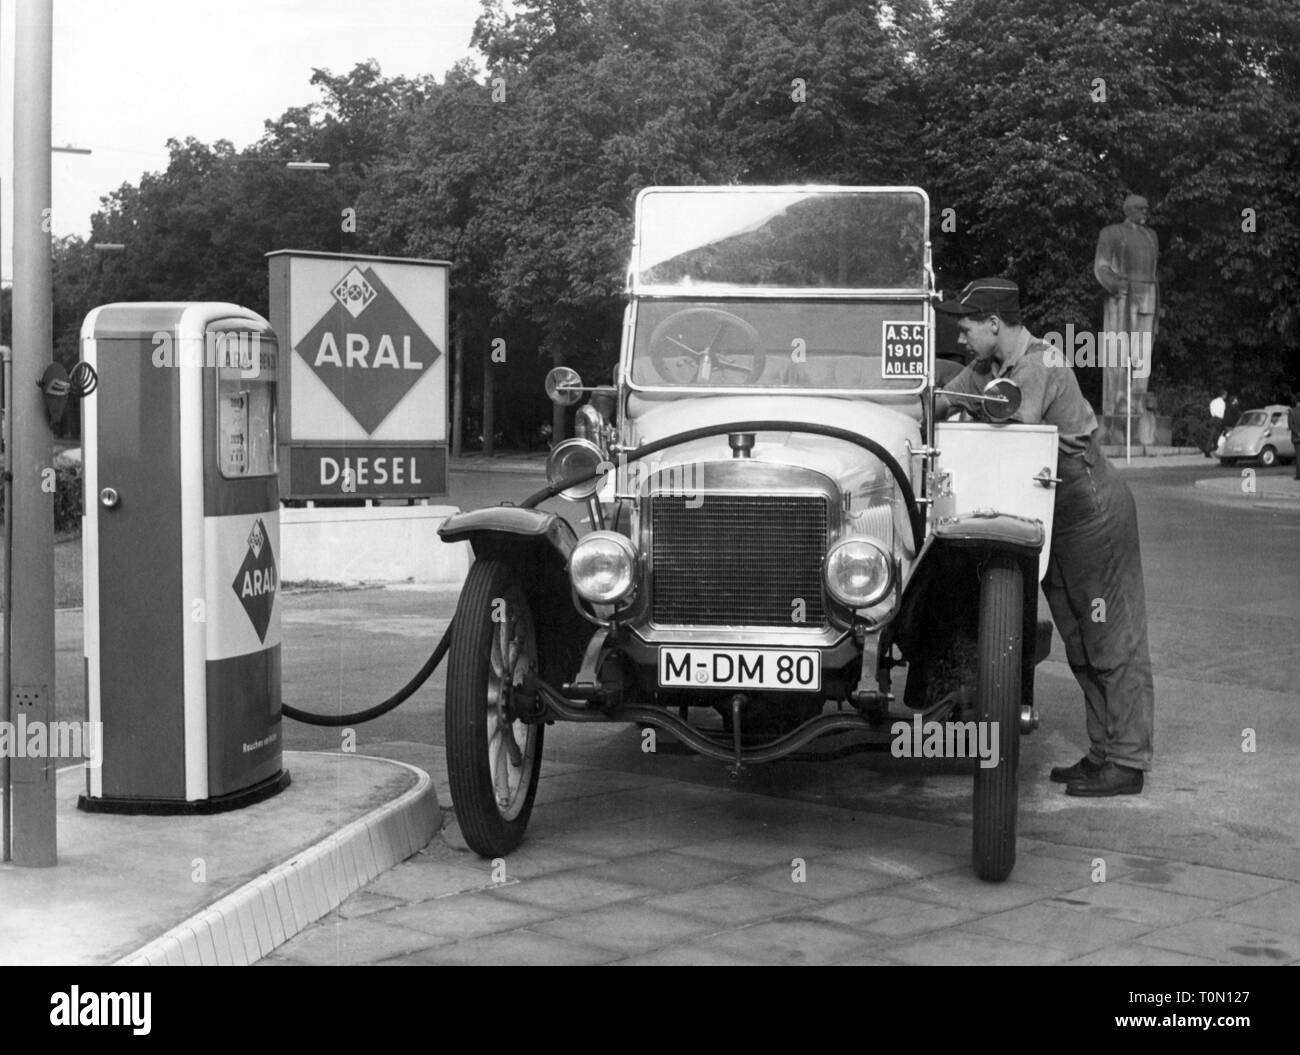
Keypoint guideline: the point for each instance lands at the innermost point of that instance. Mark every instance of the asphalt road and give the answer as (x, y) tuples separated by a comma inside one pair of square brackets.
[(1223, 589)]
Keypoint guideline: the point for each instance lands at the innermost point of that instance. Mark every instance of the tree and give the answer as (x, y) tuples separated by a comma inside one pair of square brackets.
[(600, 99), (1026, 120), (1042, 114)]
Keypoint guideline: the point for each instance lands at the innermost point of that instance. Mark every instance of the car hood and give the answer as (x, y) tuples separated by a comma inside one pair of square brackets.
[(1245, 436), (890, 426)]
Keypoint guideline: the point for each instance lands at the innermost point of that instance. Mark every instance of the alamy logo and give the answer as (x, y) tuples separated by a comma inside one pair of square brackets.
[(37, 739), (918, 739), (1106, 349), (76, 1008)]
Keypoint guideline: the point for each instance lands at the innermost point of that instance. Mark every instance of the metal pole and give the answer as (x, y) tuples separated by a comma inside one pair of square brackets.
[(6, 475), (6, 439), (6, 681), (1128, 413), (33, 786)]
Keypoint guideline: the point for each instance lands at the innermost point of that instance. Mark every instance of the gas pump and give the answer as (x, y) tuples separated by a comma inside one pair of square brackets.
[(181, 537)]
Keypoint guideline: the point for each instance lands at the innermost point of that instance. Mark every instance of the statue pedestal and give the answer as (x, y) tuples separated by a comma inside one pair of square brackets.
[(1148, 430)]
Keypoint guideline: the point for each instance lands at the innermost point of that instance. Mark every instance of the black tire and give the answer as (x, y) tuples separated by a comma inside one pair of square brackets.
[(1268, 457), (493, 621), (997, 699)]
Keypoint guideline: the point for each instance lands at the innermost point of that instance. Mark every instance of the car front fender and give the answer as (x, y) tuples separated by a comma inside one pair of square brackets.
[(996, 532), (955, 549), (497, 528), (942, 593), (537, 545)]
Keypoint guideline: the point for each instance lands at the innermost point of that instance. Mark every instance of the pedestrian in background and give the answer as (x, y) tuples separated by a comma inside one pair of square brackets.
[(1293, 423), (1218, 407), (1231, 414)]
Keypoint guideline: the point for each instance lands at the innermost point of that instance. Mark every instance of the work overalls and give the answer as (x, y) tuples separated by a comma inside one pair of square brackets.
[(1098, 600)]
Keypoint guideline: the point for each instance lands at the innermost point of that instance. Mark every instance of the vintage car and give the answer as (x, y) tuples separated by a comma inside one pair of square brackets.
[(1259, 434), (777, 523)]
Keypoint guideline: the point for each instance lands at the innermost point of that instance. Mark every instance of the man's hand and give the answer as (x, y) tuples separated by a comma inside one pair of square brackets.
[(946, 407)]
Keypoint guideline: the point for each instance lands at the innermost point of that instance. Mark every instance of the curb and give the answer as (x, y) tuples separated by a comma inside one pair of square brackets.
[(252, 921), (498, 465), (1230, 487)]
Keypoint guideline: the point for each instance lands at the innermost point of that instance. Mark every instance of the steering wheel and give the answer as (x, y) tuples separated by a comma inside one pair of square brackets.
[(682, 348)]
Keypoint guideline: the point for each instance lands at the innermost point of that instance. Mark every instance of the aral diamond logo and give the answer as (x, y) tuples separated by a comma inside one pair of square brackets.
[(354, 292), (367, 348), (256, 581)]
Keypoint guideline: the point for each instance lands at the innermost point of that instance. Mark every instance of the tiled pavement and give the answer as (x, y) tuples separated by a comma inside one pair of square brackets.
[(637, 869)]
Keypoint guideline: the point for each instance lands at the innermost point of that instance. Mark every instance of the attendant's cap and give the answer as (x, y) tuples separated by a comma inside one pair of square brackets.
[(984, 296)]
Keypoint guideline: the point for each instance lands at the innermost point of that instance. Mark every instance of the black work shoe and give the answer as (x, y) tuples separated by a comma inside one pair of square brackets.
[(1110, 779), (1085, 767)]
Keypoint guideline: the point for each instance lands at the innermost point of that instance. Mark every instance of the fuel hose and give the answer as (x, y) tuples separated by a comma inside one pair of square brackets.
[(384, 706)]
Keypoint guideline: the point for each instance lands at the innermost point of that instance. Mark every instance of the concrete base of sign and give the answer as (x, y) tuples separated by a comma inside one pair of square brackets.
[(369, 544), (1149, 430)]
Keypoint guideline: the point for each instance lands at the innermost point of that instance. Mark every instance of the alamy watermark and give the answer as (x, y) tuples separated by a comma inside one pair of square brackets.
[(233, 350), (1109, 348), (37, 739), (75, 1008), (671, 479), (927, 739)]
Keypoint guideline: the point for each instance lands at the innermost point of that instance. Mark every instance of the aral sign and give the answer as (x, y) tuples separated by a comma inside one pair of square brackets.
[(366, 409)]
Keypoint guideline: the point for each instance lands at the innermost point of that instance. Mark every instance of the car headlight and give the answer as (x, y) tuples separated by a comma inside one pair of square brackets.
[(859, 571), (602, 567)]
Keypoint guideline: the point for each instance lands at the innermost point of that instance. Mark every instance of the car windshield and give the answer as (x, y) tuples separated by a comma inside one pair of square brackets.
[(1254, 417), (779, 238), (779, 344)]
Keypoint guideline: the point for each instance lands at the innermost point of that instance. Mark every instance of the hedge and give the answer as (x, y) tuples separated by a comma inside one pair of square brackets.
[(67, 496)]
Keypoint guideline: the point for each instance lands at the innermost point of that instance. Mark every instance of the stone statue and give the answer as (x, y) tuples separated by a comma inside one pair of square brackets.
[(1126, 266)]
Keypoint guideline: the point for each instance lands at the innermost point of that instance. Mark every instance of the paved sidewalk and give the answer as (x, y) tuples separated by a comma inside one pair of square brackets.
[(1152, 457), (1162, 461), (633, 858), (638, 869), (220, 889)]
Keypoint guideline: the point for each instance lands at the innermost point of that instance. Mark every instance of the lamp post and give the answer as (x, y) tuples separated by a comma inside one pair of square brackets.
[(30, 797), (28, 819)]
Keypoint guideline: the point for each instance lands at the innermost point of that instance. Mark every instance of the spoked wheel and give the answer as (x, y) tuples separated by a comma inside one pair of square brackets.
[(493, 758), (998, 700)]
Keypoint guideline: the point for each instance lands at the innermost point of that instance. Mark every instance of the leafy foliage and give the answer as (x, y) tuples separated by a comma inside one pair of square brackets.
[(68, 490), (1043, 115), (525, 176)]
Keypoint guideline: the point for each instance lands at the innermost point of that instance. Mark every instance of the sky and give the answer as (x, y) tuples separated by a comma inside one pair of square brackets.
[(130, 74)]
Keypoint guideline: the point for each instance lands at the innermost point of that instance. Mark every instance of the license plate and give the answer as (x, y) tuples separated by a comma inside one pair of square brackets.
[(794, 669)]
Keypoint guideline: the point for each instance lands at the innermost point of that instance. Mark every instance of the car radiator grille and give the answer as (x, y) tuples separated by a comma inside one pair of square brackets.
[(738, 560)]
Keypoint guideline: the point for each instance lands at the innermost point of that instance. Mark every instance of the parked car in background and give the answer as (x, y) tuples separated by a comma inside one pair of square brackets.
[(1259, 434)]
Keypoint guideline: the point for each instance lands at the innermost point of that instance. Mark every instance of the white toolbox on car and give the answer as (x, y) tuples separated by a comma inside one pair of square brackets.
[(1006, 468)]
